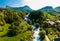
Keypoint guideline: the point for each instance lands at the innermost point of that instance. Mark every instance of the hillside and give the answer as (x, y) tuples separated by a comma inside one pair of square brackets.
[(13, 27), (21, 25), (50, 10), (24, 8)]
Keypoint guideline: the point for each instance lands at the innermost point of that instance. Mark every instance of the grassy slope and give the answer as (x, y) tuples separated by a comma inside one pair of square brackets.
[(4, 28), (16, 38), (21, 35)]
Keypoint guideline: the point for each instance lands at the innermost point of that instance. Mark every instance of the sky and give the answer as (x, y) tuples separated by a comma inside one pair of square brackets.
[(34, 4)]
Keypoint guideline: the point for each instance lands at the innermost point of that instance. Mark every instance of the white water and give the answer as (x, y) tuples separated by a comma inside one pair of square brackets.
[(36, 36)]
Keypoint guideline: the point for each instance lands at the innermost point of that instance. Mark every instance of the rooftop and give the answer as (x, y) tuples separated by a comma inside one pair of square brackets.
[(56, 39)]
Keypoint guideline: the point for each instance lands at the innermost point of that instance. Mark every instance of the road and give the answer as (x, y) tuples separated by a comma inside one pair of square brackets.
[(47, 39)]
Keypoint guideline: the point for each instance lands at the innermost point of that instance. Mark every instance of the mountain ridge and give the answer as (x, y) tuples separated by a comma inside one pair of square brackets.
[(49, 9), (24, 8)]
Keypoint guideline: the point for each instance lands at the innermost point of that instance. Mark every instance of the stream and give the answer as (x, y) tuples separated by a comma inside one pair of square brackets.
[(36, 36)]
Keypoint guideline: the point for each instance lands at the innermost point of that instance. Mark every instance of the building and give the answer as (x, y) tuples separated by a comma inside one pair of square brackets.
[(56, 39)]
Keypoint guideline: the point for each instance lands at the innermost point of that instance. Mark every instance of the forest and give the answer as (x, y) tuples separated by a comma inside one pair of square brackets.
[(13, 26)]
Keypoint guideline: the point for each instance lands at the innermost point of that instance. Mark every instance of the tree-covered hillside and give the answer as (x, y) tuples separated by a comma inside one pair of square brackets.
[(13, 27), (49, 24)]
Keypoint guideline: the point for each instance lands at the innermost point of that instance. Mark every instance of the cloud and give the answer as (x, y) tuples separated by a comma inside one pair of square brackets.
[(36, 4)]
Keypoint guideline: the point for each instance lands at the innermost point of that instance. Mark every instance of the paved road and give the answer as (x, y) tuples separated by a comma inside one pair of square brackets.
[(47, 39)]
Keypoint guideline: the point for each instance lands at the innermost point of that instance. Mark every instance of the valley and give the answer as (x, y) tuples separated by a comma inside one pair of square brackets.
[(26, 24)]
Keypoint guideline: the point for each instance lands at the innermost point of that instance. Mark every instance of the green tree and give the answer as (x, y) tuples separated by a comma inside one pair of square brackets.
[(58, 16), (42, 34), (14, 29), (36, 15)]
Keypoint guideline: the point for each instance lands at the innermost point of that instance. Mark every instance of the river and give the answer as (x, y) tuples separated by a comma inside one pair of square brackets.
[(36, 36)]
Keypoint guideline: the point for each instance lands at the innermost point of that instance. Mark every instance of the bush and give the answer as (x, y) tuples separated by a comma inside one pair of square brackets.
[(42, 34), (36, 15), (14, 29)]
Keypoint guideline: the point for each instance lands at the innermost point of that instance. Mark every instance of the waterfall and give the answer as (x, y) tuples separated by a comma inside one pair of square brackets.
[(36, 36)]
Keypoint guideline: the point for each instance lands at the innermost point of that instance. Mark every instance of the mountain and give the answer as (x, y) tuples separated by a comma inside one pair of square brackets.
[(49, 9), (25, 8), (57, 9)]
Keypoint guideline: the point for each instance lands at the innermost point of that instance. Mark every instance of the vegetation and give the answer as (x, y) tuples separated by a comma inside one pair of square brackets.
[(48, 22), (42, 34), (36, 16), (13, 27)]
